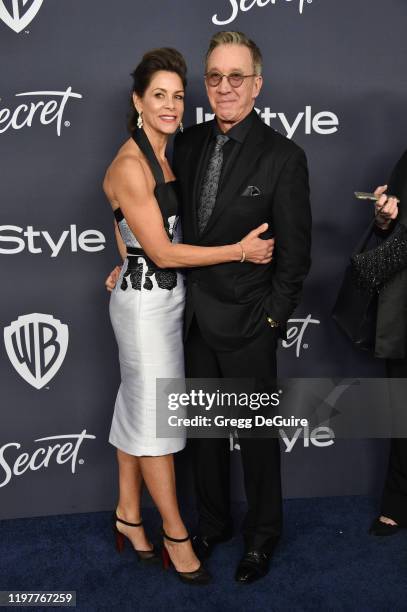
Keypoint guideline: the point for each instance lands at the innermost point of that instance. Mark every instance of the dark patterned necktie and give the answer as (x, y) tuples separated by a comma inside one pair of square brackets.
[(211, 183)]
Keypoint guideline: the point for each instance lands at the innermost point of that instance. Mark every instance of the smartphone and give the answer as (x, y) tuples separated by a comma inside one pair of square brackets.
[(364, 195)]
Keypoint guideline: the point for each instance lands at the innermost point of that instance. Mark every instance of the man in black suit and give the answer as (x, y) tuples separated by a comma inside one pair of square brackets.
[(236, 173)]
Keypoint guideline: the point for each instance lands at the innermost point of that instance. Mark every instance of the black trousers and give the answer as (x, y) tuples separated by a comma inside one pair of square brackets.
[(394, 499), (260, 456)]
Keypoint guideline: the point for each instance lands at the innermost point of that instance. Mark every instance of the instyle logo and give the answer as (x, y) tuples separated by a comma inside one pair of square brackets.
[(48, 110), (246, 5), (321, 437), (15, 239), (36, 345), (323, 123), (19, 15), (60, 449), (295, 333)]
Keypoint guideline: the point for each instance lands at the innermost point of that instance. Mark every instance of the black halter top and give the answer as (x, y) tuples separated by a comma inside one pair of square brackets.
[(165, 194)]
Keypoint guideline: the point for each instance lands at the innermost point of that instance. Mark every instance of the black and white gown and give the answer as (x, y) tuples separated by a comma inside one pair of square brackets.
[(146, 311)]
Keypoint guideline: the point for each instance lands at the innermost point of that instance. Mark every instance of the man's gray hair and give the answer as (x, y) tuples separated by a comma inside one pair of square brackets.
[(236, 38)]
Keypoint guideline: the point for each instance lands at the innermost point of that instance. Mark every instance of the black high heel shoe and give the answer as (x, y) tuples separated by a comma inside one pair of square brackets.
[(147, 556), (200, 576), (380, 528)]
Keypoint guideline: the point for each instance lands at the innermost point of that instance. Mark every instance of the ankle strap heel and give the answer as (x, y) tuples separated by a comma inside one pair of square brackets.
[(147, 556), (176, 540), (200, 576), (119, 520)]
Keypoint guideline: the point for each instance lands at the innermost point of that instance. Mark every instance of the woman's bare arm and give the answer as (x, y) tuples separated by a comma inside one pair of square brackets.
[(132, 189)]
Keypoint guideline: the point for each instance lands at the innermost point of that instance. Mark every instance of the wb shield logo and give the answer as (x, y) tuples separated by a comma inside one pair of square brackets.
[(36, 345), (17, 15)]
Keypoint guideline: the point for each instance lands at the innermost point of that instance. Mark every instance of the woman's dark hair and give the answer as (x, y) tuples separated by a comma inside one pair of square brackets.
[(153, 61)]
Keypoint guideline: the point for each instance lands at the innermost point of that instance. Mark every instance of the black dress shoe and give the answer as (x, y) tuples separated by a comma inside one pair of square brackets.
[(378, 528), (253, 566), (204, 545)]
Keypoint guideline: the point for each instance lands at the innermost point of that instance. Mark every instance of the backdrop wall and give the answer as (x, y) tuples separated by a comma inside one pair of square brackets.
[(334, 77)]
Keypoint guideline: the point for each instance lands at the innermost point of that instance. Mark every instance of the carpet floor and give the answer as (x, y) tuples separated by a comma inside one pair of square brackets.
[(326, 561)]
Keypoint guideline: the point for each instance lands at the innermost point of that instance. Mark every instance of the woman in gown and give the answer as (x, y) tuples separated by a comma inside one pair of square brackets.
[(147, 303)]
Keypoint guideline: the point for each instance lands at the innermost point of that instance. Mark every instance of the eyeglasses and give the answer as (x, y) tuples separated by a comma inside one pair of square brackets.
[(235, 79)]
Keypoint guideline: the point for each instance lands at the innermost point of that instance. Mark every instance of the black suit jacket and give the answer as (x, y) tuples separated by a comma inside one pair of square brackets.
[(231, 300), (391, 330)]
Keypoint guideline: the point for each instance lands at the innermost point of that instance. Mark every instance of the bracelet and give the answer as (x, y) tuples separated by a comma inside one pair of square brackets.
[(243, 259)]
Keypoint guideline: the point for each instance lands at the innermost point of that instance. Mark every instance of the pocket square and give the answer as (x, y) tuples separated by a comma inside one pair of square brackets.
[(251, 190)]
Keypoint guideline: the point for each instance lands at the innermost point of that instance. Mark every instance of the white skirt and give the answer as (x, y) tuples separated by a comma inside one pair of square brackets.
[(148, 327)]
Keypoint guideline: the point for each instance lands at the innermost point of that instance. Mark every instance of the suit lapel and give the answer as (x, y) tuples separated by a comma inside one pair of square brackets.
[(238, 175)]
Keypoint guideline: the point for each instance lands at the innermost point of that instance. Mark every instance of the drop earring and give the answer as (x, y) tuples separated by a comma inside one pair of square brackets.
[(181, 127), (140, 121)]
